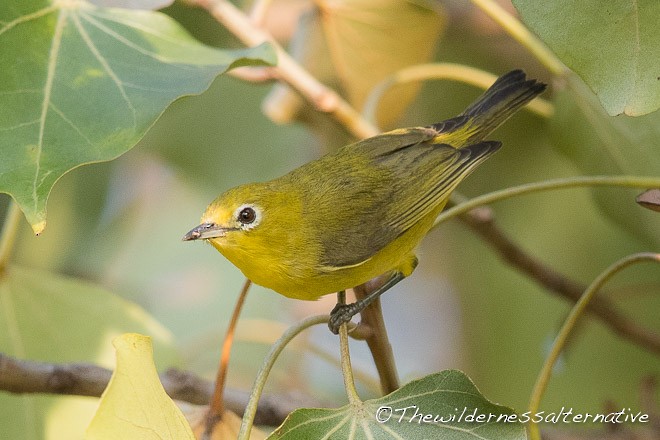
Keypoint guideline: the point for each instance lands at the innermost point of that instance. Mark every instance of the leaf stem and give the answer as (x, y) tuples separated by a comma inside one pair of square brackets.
[(568, 182), (9, 233), (264, 371), (576, 313), (346, 369), (521, 34)]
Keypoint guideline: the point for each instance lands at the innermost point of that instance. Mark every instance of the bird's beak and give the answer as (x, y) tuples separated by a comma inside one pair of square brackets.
[(204, 231)]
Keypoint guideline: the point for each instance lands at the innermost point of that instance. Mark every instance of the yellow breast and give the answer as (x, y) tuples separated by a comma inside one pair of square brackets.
[(293, 269)]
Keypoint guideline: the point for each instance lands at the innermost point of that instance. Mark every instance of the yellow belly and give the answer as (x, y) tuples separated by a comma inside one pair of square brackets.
[(314, 281)]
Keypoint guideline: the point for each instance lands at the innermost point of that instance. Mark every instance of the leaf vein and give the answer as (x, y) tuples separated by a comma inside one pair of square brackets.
[(106, 66), (61, 114), (27, 17), (47, 92), (22, 124), (123, 40)]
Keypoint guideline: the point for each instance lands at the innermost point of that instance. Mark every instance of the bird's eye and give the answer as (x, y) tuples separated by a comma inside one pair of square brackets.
[(247, 216)]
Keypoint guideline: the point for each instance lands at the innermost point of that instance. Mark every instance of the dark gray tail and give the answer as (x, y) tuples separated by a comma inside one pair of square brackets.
[(505, 97)]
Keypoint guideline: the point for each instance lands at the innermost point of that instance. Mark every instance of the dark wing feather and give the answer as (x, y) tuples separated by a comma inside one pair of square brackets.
[(361, 192), (387, 184), (436, 178)]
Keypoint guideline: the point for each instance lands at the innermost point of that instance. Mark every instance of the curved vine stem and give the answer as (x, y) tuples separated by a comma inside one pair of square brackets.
[(521, 34), (346, 369), (576, 312), (264, 371), (9, 232), (568, 182)]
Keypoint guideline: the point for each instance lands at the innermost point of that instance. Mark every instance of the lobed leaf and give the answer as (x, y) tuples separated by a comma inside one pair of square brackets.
[(82, 84), (613, 46), (413, 411)]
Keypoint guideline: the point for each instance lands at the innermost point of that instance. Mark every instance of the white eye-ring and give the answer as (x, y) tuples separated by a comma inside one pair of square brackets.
[(248, 216)]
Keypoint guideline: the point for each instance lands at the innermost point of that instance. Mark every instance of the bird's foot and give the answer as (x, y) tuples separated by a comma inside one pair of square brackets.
[(341, 314)]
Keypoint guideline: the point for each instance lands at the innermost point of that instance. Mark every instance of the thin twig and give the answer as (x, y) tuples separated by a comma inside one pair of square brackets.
[(216, 406), (346, 369), (258, 11), (264, 371), (442, 71), (522, 35)]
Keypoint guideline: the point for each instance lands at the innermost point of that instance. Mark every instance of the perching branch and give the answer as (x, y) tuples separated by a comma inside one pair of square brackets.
[(83, 379), (376, 337)]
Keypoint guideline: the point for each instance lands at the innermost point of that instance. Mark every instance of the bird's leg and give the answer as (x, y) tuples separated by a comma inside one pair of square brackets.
[(344, 312)]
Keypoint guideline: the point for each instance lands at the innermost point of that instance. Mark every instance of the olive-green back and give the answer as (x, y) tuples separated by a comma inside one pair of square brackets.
[(368, 193)]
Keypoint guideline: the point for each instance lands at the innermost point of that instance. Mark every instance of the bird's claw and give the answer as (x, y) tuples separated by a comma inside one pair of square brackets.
[(342, 313)]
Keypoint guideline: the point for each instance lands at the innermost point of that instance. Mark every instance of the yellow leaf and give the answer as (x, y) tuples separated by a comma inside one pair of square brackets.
[(353, 45), (371, 39), (135, 406)]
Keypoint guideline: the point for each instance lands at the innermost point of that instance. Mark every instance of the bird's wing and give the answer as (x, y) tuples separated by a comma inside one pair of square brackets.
[(427, 181), (387, 184)]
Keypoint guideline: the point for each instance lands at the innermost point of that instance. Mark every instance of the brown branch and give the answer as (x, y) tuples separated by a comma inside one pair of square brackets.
[(482, 221), (84, 379)]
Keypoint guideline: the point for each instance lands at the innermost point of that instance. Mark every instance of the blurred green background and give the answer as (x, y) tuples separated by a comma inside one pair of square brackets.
[(119, 224)]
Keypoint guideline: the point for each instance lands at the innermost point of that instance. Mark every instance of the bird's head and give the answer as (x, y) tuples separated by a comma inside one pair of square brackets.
[(233, 215)]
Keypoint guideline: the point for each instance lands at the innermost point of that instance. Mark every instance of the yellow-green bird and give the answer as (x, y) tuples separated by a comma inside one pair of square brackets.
[(350, 216)]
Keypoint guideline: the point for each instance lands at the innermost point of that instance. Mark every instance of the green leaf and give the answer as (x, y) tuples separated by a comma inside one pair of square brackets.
[(51, 318), (602, 144), (612, 45), (82, 84), (409, 413)]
